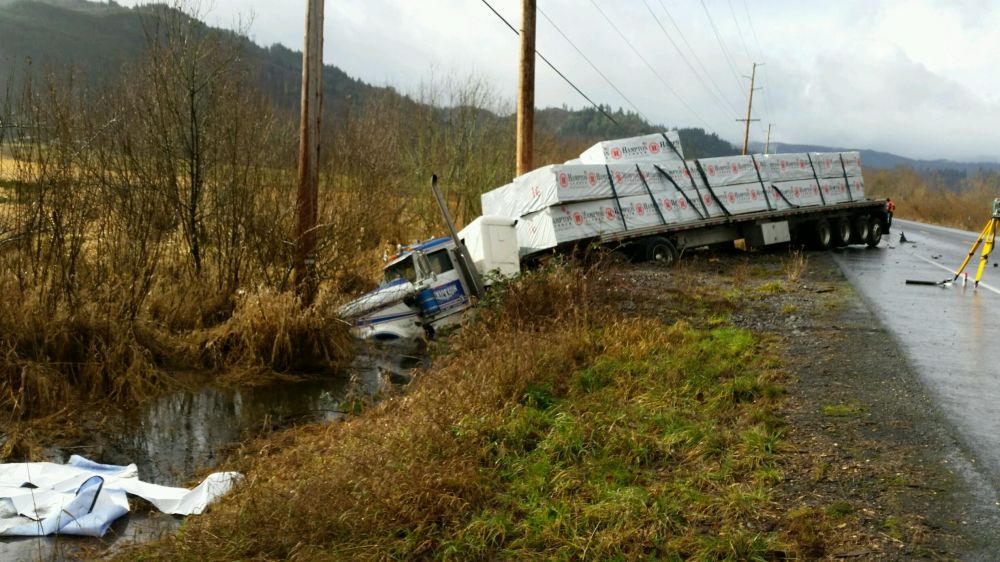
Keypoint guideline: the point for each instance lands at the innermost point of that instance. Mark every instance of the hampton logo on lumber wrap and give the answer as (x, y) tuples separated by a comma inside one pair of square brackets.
[(633, 151)]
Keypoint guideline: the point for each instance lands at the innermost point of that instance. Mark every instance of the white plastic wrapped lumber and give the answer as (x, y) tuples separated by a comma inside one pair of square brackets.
[(743, 198), (646, 148), (828, 164), (798, 192), (835, 190), (785, 167), (560, 184), (583, 220), (728, 170)]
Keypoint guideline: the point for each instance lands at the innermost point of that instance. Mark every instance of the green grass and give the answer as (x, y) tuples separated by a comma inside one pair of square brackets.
[(842, 410), (636, 457)]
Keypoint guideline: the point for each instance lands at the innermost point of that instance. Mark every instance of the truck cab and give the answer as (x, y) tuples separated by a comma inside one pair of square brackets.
[(423, 287)]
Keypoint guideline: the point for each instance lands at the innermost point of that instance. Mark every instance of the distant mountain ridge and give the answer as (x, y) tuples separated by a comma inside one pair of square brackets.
[(99, 38), (887, 160)]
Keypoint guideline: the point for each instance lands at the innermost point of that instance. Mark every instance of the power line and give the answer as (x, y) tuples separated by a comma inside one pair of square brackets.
[(767, 81), (592, 65), (553, 67), (697, 58), (722, 45), (653, 70), (739, 32), (722, 101)]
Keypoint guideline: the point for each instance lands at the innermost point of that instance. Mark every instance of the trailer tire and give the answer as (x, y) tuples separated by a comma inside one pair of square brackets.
[(660, 250), (874, 232), (862, 228), (822, 235), (841, 231), (619, 256)]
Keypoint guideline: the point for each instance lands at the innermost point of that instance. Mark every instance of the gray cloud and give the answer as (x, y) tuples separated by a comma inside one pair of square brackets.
[(909, 76)]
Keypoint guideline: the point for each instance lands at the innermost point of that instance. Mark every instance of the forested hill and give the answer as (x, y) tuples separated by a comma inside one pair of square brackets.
[(97, 39), (590, 123)]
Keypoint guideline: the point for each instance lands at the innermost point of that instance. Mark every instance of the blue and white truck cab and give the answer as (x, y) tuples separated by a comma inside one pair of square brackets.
[(423, 288)]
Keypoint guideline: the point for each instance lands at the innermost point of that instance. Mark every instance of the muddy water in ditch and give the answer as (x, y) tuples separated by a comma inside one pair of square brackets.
[(183, 434)]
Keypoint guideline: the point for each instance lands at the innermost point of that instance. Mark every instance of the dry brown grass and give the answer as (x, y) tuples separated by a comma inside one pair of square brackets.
[(926, 198), (553, 429), (400, 467), (271, 330)]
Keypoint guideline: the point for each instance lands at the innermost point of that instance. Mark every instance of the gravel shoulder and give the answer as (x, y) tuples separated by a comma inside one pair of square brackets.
[(872, 470), (867, 446)]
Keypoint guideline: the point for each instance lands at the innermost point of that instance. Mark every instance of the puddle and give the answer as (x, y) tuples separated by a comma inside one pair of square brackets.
[(181, 435)]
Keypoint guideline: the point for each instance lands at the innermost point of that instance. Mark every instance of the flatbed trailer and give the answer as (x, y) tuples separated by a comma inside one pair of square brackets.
[(817, 227)]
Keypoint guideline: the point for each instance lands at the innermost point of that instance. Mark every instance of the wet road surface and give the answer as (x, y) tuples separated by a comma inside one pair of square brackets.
[(951, 333)]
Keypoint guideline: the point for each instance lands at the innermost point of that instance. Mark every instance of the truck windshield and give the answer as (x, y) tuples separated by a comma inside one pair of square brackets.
[(401, 270)]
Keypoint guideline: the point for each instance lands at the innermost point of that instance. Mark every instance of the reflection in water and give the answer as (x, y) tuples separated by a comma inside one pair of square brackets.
[(185, 433), (182, 434)]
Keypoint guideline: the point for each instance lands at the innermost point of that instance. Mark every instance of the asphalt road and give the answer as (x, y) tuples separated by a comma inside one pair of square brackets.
[(951, 333)]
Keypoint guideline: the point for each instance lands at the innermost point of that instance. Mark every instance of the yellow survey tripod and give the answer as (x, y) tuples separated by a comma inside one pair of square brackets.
[(987, 238)]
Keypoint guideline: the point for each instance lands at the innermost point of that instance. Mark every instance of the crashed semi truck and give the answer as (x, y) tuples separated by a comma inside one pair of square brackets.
[(638, 197)]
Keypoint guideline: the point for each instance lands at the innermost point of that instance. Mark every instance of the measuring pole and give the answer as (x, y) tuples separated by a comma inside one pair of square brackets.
[(309, 127), (526, 89), (767, 142), (746, 132)]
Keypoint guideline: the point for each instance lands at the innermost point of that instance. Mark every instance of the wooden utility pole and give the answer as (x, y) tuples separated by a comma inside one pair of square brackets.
[(767, 142), (309, 128), (746, 131), (526, 89)]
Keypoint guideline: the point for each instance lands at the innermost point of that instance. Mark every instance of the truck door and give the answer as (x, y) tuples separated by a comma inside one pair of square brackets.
[(445, 293)]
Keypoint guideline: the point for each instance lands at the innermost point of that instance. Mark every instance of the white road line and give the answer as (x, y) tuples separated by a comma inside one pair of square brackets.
[(949, 270)]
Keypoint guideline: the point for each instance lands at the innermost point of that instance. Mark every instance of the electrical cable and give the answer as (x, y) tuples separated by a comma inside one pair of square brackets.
[(553, 67), (739, 32), (722, 45), (592, 65), (767, 82), (697, 58), (653, 70), (721, 101)]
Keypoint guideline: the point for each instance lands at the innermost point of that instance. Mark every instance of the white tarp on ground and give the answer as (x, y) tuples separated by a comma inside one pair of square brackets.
[(647, 148), (83, 497)]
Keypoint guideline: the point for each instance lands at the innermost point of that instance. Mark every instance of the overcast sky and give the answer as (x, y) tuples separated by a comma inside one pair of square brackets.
[(914, 77)]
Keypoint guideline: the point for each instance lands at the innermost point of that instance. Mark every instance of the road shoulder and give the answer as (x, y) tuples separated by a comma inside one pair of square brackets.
[(873, 467)]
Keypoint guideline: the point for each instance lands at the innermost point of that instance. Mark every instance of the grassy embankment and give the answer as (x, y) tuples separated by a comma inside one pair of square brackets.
[(557, 426)]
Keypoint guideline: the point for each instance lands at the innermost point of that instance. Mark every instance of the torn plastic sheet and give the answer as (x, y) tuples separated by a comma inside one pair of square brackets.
[(83, 497)]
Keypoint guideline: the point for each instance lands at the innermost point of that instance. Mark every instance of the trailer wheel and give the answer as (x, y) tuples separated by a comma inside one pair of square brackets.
[(822, 235), (841, 231), (619, 256), (862, 228), (660, 250), (874, 232)]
